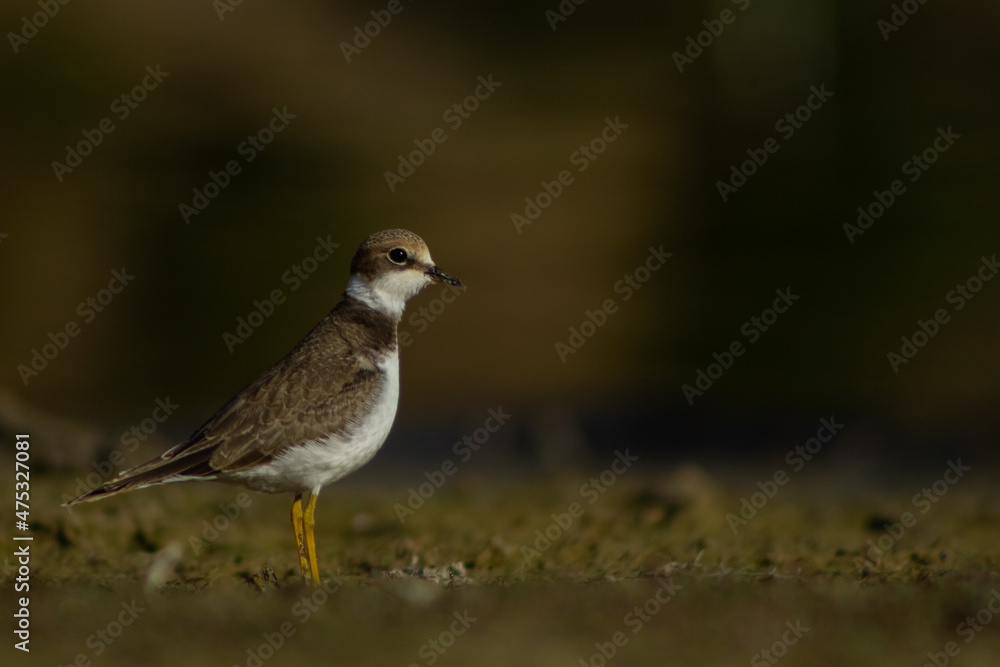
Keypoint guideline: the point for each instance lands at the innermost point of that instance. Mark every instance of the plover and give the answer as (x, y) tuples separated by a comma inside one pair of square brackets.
[(319, 413)]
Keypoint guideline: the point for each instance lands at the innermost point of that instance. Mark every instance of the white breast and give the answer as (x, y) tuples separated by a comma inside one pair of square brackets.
[(320, 462)]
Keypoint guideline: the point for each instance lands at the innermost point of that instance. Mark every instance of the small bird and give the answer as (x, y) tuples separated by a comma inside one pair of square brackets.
[(321, 412)]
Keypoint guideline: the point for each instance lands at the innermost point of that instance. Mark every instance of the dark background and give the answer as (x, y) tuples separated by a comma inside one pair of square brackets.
[(656, 185)]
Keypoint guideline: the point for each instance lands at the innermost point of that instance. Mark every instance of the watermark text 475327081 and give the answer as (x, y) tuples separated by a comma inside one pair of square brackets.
[(22, 583)]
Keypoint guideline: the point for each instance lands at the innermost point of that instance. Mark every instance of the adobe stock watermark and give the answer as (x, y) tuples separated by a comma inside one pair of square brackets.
[(958, 297), (714, 28), (121, 107), (454, 116), (294, 276), (796, 458), (248, 149), (102, 638), (635, 620), (562, 12), (923, 501), (87, 310), (363, 35), (968, 630), (424, 316), (752, 329), (786, 126), (779, 649), (31, 25), (463, 450), (302, 610), (915, 167), (629, 284), (223, 7), (898, 17), (591, 491), (581, 158), (432, 650), (163, 408), (223, 520)]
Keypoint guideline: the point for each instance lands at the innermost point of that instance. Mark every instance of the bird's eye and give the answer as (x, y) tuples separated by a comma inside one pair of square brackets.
[(397, 256)]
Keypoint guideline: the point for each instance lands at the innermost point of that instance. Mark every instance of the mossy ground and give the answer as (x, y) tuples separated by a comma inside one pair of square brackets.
[(396, 587)]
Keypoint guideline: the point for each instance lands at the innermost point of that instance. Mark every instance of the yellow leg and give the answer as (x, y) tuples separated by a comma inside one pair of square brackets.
[(299, 528), (309, 523)]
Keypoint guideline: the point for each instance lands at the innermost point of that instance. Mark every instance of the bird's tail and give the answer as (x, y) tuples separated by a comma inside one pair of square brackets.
[(161, 470)]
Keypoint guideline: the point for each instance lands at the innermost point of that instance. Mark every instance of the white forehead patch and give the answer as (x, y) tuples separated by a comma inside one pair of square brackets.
[(425, 256)]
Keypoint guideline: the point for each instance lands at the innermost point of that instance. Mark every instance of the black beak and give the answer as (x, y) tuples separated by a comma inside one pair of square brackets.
[(440, 276)]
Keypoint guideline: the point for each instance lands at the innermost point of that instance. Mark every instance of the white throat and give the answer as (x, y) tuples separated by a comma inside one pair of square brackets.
[(389, 292)]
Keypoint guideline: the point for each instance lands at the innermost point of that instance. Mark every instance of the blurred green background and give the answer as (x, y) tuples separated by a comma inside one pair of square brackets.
[(655, 185)]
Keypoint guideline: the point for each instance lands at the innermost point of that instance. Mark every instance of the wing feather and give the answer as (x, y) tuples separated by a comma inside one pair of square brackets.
[(320, 388)]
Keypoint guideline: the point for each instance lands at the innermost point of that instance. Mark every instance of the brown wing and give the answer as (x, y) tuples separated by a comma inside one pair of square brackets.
[(268, 417), (318, 389)]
